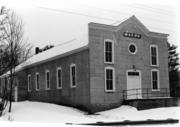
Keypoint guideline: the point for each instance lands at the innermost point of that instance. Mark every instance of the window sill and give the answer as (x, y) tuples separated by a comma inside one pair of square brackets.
[(73, 86), (110, 91), (108, 62), (154, 65), (156, 90), (59, 88)]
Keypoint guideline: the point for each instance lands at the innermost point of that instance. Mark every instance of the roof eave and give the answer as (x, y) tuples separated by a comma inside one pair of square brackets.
[(157, 34), (58, 56)]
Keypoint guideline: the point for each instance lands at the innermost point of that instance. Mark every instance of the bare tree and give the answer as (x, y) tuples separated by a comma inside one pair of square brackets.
[(16, 49)]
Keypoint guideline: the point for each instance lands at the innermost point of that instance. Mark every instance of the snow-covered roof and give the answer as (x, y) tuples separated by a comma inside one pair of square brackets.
[(62, 49), (57, 51)]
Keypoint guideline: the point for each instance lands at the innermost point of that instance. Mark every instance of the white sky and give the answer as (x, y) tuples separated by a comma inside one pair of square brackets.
[(57, 21)]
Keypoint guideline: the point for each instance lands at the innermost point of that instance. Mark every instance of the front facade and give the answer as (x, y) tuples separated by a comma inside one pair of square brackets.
[(119, 62)]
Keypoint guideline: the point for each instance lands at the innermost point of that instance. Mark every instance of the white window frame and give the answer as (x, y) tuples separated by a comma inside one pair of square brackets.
[(57, 78), (37, 73), (157, 57), (114, 83), (73, 65), (158, 85), (29, 82), (47, 71), (112, 42)]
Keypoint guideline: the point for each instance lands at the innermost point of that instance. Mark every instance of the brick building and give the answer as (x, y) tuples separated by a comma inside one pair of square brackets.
[(110, 64)]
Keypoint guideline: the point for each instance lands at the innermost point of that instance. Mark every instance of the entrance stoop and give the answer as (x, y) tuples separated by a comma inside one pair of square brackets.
[(142, 104)]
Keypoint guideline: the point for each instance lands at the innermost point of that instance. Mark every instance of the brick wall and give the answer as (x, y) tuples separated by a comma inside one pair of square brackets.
[(68, 96), (123, 61)]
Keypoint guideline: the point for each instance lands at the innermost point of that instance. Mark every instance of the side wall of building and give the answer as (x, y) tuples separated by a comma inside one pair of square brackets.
[(78, 96)]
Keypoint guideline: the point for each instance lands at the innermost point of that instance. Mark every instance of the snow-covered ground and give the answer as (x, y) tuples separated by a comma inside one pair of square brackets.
[(50, 113)]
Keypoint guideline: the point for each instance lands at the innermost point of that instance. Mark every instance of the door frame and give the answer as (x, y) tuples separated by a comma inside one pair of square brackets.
[(139, 71)]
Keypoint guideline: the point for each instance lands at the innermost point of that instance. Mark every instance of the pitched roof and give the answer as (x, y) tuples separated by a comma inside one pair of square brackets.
[(62, 49), (58, 51)]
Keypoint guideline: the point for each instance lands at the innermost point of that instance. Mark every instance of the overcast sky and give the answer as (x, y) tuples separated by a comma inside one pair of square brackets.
[(57, 21)]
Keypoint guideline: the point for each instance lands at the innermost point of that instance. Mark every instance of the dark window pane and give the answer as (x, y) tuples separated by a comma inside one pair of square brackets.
[(110, 47), (47, 79), (106, 47), (155, 85), (107, 84), (59, 78), (154, 55), (155, 79), (109, 79), (110, 56), (155, 75), (154, 60), (37, 81), (106, 56), (73, 70), (73, 76), (29, 82), (110, 74), (154, 51), (108, 51), (73, 81)]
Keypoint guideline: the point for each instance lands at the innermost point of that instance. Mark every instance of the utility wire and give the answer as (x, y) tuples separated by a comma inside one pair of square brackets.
[(95, 17), (66, 42), (76, 13), (165, 12), (124, 13), (146, 9)]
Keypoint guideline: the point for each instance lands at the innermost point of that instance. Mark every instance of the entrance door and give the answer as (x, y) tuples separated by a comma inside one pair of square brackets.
[(134, 84)]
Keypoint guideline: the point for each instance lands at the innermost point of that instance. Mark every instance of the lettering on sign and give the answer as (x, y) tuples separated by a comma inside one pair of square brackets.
[(132, 35)]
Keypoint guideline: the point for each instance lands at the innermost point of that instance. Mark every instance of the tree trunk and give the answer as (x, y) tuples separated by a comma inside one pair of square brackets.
[(10, 94)]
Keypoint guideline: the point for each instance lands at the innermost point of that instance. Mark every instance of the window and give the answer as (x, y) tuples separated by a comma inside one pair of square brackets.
[(109, 79), (155, 79), (29, 82), (73, 75), (108, 51), (154, 55), (47, 80), (132, 48), (37, 81), (59, 78)]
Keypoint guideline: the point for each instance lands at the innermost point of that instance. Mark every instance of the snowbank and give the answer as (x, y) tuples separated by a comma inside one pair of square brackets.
[(131, 113), (50, 113)]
